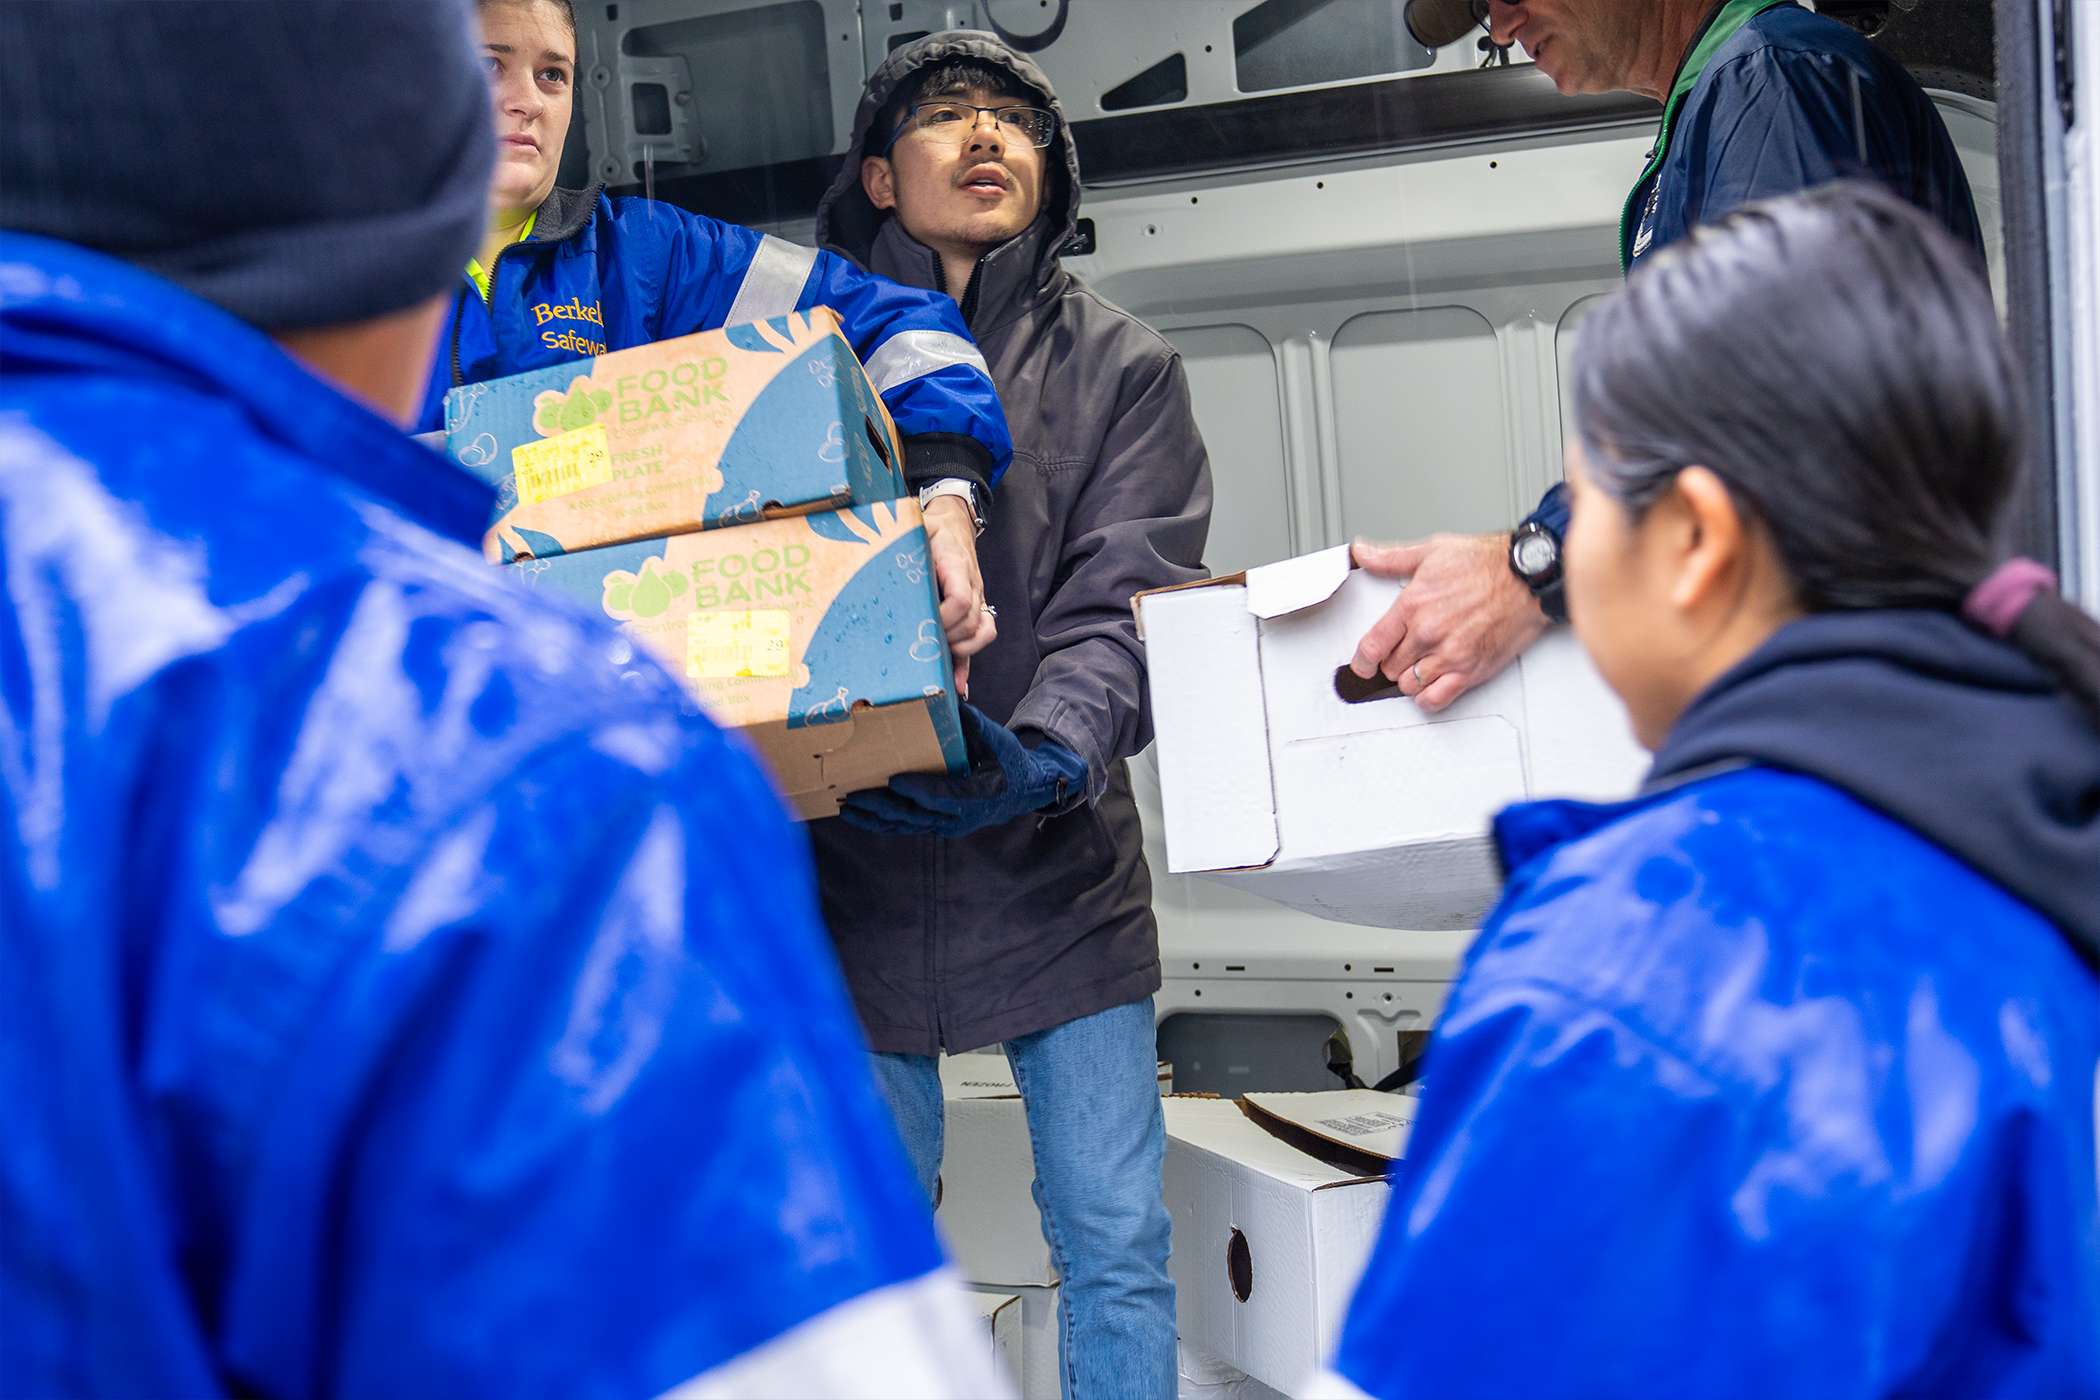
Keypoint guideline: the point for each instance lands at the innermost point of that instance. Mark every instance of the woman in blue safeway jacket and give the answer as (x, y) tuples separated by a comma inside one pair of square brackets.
[(1779, 1079), (565, 275)]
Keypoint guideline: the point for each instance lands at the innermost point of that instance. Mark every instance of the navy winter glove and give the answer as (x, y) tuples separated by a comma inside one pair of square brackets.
[(1007, 779)]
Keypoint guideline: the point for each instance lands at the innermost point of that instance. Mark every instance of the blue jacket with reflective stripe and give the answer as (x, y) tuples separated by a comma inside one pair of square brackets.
[(603, 274), (1746, 1089), (404, 990)]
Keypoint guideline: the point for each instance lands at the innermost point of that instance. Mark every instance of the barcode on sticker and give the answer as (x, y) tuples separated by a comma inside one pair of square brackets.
[(1365, 1124), (753, 643), (561, 464)]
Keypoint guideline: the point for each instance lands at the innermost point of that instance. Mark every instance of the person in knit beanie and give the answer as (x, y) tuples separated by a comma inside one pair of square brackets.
[(381, 1011), (245, 152)]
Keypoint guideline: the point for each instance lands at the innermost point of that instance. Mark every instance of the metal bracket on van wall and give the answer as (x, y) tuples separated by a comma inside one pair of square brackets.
[(658, 114)]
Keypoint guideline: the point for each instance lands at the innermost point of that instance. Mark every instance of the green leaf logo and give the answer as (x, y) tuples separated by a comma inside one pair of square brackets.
[(555, 412), (645, 594)]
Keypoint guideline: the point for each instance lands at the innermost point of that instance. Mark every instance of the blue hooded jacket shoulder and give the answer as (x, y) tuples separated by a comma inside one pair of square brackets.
[(1751, 1087), (383, 1008), (600, 274)]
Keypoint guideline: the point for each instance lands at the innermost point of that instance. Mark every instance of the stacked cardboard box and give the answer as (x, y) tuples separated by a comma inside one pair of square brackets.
[(1277, 1201), (735, 500), (1002, 1321), (987, 1210)]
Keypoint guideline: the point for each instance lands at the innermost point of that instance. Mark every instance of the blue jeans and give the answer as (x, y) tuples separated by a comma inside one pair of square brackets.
[(1091, 1091)]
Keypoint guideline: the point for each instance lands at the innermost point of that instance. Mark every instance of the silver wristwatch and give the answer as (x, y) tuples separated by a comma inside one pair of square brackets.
[(957, 486)]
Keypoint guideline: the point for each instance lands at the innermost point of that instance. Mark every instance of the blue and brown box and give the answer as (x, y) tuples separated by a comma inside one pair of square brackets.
[(818, 636), (722, 428)]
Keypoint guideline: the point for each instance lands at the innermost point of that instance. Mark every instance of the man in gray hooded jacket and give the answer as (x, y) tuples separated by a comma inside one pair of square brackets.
[(1012, 904)]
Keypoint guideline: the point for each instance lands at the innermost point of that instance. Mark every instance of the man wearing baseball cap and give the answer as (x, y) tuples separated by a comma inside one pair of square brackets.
[(1760, 98)]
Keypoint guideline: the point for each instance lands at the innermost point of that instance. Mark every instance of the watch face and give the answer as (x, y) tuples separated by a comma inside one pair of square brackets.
[(1535, 555)]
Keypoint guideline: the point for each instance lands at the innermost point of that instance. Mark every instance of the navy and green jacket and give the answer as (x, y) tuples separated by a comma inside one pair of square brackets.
[(1770, 99), (600, 274)]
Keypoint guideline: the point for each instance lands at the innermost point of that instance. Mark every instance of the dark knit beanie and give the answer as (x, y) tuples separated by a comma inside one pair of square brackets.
[(299, 162)]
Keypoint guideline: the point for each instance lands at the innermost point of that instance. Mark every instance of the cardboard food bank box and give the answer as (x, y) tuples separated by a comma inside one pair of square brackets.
[(1278, 774), (1268, 1241), (816, 635), (722, 428)]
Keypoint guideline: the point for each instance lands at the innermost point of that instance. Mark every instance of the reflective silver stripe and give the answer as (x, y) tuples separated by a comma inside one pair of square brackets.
[(924, 1337), (773, 283), (910, 355)]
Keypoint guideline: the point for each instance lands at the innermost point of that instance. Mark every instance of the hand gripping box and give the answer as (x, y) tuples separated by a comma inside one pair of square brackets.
[(1279, 775), (722, 428), (816, 635), (1268, 1241)]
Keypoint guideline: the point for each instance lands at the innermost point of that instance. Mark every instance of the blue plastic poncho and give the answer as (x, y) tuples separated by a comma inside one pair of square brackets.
[(403, 990)]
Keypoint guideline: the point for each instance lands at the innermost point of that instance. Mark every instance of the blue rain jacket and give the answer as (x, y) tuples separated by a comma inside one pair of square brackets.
[(603, 274), (1746, 1089), (1772, 99), (403, 989)]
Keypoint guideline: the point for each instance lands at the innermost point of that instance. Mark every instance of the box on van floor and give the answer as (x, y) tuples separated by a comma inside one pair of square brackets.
[(1268, 1241), (1001, 1315), (1279, 774), (987, 1207), (722, 428), (818, 636)]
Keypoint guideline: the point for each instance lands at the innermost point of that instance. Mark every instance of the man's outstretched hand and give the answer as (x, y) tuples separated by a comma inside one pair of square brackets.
[(951, 547), (1464, 617)]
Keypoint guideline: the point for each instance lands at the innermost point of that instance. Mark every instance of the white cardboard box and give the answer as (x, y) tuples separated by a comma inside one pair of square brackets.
[(1268, 1242), (1002, 1320), (987, 1209), (1360, 1123), (1040, 1362), (987, 1204), (1369, 812)]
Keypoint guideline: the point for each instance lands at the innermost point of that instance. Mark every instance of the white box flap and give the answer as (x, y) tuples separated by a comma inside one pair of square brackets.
[(1218, 1126), (1203, 653), (1362, 1119), (1291, 584)]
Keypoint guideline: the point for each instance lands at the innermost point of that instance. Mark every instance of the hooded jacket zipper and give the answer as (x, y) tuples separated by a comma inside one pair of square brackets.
[(459, 309)]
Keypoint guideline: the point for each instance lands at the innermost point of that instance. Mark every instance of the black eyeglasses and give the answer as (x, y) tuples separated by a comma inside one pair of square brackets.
[(952, 123)]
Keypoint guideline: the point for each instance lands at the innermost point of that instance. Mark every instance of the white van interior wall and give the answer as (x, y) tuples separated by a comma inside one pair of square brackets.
[(1375, 346)]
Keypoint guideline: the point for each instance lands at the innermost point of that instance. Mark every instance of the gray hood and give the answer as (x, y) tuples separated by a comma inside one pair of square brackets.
[(847, 222)]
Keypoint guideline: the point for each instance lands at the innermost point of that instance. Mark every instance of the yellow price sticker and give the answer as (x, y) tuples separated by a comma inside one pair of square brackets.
[(753, 643), (561, 464)]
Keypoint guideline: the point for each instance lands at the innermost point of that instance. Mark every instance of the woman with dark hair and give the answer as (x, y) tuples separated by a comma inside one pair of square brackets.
[(1779, 1079)]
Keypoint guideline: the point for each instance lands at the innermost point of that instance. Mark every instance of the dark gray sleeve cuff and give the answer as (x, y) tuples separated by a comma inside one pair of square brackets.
[(928, 457)]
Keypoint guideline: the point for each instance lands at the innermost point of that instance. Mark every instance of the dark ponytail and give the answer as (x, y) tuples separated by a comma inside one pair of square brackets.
[(1834, 358)]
